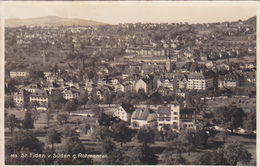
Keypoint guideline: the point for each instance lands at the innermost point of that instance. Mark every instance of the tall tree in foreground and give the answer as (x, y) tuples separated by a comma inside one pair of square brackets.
[(53, 136), (23, 142), (250, 121), (12, 122), (28, 121), (229, 117), (114, 155), (121, 133), (146, 134), (142, 155), (230, 154)]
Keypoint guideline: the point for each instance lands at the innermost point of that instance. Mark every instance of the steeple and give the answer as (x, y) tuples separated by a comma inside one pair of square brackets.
[(175, 101)]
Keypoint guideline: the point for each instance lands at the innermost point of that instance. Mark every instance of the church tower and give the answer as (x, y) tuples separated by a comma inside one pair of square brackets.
[(43, 58), (168, 61)]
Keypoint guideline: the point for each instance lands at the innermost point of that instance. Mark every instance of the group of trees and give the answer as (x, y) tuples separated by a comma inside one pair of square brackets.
[(12, 122), (26, 142), (231, 117)]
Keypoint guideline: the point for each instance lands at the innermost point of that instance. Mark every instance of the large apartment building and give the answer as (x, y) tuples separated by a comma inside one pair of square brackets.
[(200, 80)]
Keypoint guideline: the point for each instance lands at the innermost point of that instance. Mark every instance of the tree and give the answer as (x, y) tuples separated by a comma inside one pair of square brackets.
[(73, 146), (230, 154), (250, 121), (53, 136), (177, 146), (142, 155), (229, 117), (114, 155), (69, 132), (101, 133), (188, 138), (49, 116), (12, 122), (146, 135), (223, 135), (62, 118), (85, 128), (9, 102), (83, 99), (70, 106), (28, 121), (236, 152), (142, 95), (56, 100), (107, 98), (35, 75), (121, 133), (170, 159), (23, 142), (201, 138)]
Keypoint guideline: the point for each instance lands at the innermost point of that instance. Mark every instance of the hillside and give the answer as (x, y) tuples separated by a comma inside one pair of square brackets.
[(251, 21), (49, 21)]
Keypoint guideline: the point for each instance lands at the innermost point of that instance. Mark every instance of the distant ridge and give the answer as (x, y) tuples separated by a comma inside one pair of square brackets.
[(251, 20), (54, 21)]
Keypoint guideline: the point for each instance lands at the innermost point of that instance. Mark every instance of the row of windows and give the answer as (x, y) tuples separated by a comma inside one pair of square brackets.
[(18, 97), (42, 98), (18, 101)]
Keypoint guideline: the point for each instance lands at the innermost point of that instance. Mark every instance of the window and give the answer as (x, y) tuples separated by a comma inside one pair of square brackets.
[(175, 118), (175, 113)]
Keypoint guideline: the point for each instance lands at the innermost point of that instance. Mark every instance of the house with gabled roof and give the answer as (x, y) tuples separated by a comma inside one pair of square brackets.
[(70, 94), (145, 84), (143, 116), (32, 88), (124, 112)]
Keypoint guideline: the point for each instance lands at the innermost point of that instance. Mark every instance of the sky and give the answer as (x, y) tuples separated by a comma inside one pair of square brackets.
[(132, 12)]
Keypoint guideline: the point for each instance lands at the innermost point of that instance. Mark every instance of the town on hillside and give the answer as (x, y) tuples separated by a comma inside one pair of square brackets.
[(131, 94)]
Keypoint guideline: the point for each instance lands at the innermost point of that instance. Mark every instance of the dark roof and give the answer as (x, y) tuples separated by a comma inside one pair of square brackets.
[(187, 111), (129, 108), (40, 93), (164, 110), (142, 114)]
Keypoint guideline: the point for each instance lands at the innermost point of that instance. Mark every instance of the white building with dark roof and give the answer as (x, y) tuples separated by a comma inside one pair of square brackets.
[(124, 112), (40, 96), (200, 80), (143, 116)]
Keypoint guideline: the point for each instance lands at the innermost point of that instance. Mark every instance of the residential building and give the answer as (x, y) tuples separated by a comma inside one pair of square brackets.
[(40, 96), (143, 116), (228, 80), (187, 118), (69, 94), (18, 73), (32, 88), (165, 82), (200, 80), (169, 115), (145, 84), (20, 98), (180, 93), (124, 112)]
